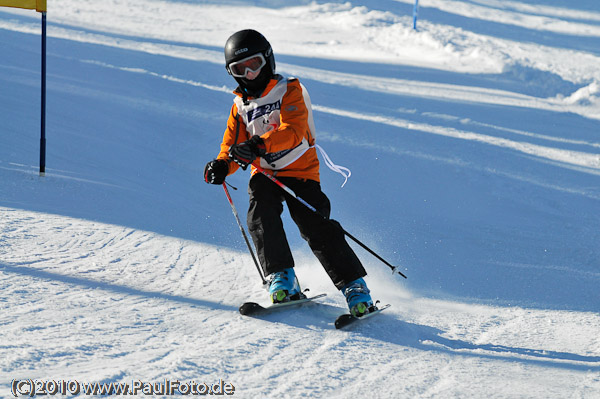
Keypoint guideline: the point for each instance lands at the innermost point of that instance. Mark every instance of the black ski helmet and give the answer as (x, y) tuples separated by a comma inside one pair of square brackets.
[(243, 44)]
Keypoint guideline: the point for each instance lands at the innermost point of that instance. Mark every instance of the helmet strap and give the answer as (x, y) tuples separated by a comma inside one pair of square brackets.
[(244, 95)]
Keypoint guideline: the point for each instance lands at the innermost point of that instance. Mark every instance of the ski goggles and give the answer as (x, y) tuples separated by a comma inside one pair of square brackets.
[(254, 63)]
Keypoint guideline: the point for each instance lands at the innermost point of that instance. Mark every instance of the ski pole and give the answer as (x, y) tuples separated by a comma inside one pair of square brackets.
[(237, 218), (312, 208)]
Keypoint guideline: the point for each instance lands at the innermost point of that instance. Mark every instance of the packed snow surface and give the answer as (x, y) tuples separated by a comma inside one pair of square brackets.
[(474, 145)]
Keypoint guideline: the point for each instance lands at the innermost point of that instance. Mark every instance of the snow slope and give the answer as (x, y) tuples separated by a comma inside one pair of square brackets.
[(474, 144)]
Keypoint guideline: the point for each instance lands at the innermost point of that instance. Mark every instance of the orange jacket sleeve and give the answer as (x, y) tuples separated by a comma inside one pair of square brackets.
[(234, 133)]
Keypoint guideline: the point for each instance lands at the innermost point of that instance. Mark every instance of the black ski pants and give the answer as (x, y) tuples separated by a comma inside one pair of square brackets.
[(324, 236)]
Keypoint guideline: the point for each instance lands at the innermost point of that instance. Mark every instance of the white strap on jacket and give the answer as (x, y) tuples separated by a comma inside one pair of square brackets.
[(342, 170)]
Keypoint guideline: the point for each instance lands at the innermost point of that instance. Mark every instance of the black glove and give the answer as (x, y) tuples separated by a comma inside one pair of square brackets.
[(216, 171), (246, 152)]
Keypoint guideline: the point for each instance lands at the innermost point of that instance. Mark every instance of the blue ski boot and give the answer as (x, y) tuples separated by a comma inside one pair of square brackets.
[(358, 298), (283, 286)]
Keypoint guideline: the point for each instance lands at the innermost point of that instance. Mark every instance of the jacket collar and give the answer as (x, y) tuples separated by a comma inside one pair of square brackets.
[(272, 83)]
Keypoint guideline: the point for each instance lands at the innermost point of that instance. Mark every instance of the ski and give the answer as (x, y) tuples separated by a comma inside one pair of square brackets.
[(347, 319), (252, 308)]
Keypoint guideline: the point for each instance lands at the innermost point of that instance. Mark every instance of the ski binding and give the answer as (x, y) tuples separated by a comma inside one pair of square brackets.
[(347, 319)]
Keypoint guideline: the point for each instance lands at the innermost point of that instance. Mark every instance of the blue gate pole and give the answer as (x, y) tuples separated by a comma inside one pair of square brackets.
[(43, 118), (415, 13)]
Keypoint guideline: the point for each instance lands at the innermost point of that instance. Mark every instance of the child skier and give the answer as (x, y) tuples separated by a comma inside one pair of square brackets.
[(271, 125)]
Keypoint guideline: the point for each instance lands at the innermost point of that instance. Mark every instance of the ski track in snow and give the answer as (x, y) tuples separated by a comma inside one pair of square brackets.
[(98, 302), (89, 310)]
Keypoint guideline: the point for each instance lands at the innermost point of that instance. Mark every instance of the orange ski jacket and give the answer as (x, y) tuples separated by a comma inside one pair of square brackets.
[(282, 117)]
